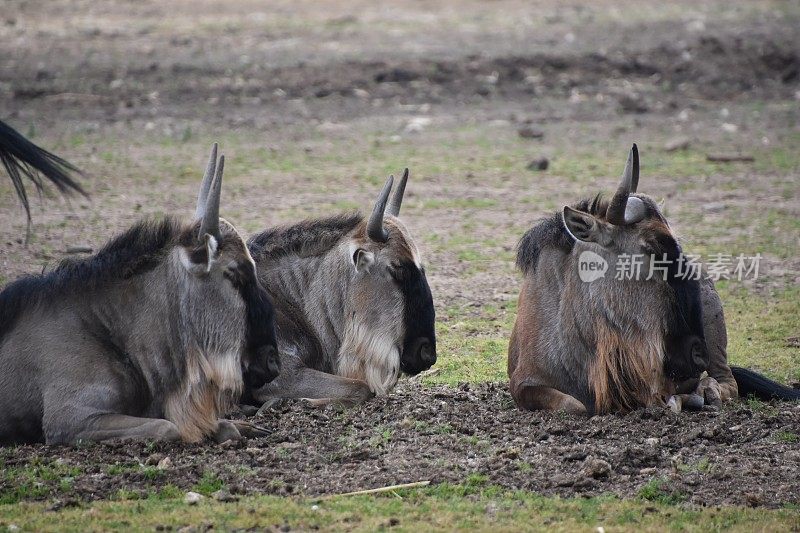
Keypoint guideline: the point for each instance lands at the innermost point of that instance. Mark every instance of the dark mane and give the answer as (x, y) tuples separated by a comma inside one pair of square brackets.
[(137, 250), (550, 231), (307, 238)]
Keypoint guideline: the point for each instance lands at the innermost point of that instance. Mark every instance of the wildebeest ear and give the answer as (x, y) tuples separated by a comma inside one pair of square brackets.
[(361, 259), (199, 258), (585, 227)]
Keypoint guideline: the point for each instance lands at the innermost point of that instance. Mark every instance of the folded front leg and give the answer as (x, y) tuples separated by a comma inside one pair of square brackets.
[(310, 384), (100, 427)]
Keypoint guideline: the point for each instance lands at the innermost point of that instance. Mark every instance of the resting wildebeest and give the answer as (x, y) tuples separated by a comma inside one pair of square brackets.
[(21, 158), (598, 343), (352, 305), (148, 339)]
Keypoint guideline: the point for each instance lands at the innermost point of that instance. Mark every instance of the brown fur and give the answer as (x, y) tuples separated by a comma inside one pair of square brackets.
[(626, 372), (208, 392)]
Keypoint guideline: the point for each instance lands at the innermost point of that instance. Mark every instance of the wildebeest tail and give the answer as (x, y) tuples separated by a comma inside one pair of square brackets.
[(753, 383), (23, 159)]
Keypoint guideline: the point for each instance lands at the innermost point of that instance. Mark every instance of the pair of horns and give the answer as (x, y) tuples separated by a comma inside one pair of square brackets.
[(625, 209), (375, 229), (208, 199)]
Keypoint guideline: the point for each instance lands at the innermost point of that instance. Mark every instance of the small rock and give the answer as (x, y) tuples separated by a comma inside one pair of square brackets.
[(633, 103), (652, 442), (729, 128), (540, 163), (154, 459), (360, 93), (79, 249), (417, 124), (223, 495), (677, 143), (529, 132), (596, 468), (12, 527), (696, 26), (753, 499), (648, 471), (714, 207), (164, 463), (57, 505), (563, 481), (192, 498)]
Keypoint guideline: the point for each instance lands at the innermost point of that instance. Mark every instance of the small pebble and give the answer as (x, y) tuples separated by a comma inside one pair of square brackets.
[(192, 498), (539, 164)]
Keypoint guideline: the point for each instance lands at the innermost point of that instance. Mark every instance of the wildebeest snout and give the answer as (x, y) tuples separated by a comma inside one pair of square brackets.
[(423, 353), (426, 352), (266, 367)]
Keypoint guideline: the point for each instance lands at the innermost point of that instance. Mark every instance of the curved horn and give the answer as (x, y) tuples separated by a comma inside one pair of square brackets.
[(210, 223), (630, 180), (375, 229), (206, 184), (397, 196)]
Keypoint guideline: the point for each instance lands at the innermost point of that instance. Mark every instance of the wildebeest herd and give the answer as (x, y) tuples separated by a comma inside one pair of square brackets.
[(173, 322)]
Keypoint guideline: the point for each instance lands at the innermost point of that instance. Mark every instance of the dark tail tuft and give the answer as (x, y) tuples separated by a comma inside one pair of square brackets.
[(752, 383), (23, 159)]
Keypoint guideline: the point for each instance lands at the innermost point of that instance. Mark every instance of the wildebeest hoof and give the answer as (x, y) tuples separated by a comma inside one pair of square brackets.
[(711, 391), (250, 431), (572, 406), (693, 402), (226, 430)]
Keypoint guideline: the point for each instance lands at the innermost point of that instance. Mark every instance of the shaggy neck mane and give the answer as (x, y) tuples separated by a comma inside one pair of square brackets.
[(550, 231), (134, 252), (308, 238), (627, 369)]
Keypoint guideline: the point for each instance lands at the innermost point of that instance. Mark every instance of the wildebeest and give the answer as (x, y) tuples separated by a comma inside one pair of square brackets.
[(23, 159), (147, 339), (352, 303), (605, 342)]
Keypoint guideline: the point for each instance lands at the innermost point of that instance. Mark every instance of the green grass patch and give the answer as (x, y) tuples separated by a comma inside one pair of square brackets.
[(473, 505), (760, 329), (658, 490), (208, 484), (36, 480), (788, 437)]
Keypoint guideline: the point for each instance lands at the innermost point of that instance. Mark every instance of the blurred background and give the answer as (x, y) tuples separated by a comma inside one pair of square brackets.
[(504, 110)]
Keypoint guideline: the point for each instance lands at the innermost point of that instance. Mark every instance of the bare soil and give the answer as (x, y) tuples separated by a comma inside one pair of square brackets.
[(734, 456)]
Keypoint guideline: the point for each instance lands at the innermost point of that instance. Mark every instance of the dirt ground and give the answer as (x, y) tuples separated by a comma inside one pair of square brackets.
[(314, 104), (472, 433)]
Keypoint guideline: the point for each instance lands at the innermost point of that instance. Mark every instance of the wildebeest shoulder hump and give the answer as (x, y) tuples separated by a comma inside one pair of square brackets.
[(134, 252), (307, 238)]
